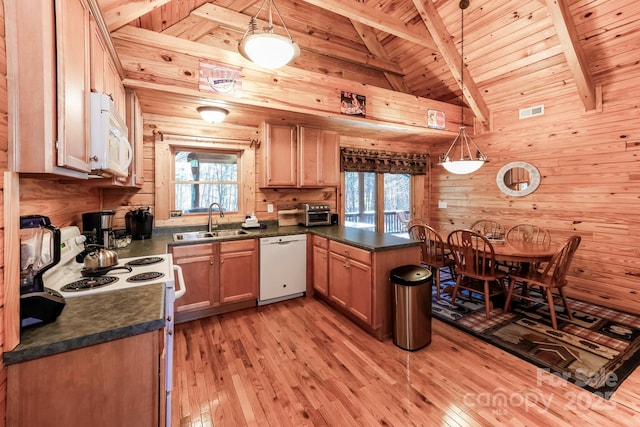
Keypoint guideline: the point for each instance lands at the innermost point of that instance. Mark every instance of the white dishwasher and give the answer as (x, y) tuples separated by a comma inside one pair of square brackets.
[(283, 268)]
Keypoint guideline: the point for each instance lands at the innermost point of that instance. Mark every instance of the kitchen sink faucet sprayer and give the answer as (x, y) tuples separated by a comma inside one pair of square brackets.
[(210, 225)]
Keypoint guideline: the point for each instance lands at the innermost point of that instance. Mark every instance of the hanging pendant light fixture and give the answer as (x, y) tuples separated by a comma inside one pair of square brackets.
[(468, 161), (267, 49)]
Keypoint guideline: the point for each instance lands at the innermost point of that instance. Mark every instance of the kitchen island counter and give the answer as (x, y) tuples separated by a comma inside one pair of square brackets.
[(94, 319)]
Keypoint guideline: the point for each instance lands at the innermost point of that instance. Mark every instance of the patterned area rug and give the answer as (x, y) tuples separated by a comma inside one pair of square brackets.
[(597, 350)]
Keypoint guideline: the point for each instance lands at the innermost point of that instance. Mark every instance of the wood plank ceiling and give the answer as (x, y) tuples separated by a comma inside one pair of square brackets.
[(515, 51)]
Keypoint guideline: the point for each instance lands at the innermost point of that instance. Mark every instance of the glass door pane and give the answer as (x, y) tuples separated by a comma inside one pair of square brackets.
[(360, 200), (397, 202)]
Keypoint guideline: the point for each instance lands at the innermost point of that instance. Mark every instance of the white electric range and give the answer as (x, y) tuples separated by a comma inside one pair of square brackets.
[(66, 278)]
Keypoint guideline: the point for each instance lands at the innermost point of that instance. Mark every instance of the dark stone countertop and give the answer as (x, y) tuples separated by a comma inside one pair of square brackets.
[(93, 319), (369, 240)]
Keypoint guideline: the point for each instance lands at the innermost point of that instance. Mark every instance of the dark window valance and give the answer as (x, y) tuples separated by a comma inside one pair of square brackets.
[(361, 160)]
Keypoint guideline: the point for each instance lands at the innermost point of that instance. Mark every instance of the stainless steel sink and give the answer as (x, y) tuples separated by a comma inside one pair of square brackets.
[(207, 235)]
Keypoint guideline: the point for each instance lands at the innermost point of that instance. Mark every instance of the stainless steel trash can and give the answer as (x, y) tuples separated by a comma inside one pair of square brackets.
[(412, 309)]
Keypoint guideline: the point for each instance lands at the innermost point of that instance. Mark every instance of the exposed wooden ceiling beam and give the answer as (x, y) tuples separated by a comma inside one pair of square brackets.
[(364, 14), (173, 64), (370, 40), (239, 22), (118, 13), (568, 36), (443, 40)]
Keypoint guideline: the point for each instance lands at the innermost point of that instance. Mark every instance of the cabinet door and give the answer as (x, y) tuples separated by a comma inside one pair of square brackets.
[(309, 157), (73, 64), (134, 122), (238, 271), (329, 159), (320, 270), (361, 302), (339, 290), (199, 265), (318, 158), (280, 156), (98, 59)]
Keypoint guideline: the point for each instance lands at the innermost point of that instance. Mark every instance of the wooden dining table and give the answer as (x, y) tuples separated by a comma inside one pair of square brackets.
[(522, 252)]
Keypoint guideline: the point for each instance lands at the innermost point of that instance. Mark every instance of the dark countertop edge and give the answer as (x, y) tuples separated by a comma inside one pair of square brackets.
[(31, 353)]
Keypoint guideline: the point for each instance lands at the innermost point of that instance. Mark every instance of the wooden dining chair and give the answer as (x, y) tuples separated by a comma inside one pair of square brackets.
[(475, 266), (416, 221), (527, 233), (552, 278), (488, 228), (433, 251)]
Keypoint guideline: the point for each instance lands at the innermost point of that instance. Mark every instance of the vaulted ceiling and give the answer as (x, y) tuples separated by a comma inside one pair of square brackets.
[(516, 52)]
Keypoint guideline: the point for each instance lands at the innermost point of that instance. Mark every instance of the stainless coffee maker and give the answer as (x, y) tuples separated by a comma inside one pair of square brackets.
[(98, 227), (39, 251)]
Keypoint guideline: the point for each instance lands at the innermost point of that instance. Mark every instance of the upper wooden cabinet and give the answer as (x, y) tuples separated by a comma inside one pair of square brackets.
[(294, 156), (279, 156), (48, 65), (104, 74), (134, 122), (319, 158)]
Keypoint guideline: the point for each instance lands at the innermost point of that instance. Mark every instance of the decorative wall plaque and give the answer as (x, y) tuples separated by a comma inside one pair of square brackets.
[(219, 78)]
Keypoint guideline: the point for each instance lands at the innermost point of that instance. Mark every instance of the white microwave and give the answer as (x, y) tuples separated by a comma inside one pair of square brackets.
[(111, 152)]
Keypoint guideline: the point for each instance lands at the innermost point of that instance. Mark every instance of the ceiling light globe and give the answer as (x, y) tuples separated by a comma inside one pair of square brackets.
[(269, 50), (462, 167), (213, 114)]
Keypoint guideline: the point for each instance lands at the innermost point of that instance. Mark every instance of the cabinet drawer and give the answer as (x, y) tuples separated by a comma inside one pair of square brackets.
[(351, 252), (191, 250), (321, 242), (238, 245)]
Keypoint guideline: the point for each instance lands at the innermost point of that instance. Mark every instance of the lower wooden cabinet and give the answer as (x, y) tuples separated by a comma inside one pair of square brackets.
[(199, 264), (238, 271), (116, 383), (350, 278), (320, 265), (219, 277), (359, 284)]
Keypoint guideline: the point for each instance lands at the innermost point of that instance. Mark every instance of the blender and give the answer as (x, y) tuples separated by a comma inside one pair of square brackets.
[(39, 251)]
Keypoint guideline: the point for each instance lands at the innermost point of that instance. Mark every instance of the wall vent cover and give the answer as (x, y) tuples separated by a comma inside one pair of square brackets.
[(525, 113)]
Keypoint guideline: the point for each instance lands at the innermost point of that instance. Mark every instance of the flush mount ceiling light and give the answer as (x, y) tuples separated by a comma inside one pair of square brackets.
[(468, 160), (213, 114), (267, 49)]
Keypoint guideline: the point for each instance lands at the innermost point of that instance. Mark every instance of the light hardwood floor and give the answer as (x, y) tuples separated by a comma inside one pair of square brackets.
[(299, 363)]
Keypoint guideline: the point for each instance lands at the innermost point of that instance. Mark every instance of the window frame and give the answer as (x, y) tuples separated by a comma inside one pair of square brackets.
[(164, 174), (416, 183), (211, 150)]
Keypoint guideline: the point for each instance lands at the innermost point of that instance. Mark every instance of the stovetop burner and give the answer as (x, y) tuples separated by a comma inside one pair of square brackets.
[(143, 277), (89, 283), (145, 261)]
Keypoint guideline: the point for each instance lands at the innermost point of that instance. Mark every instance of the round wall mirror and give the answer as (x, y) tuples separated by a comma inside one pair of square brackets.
[(518, 179)]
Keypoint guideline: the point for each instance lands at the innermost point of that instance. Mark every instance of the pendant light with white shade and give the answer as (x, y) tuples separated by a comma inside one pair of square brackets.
[(460, 159), (266, 48)]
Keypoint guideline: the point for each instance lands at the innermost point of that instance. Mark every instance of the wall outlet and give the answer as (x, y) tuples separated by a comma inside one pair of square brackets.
[(442, 204), (270, 207)]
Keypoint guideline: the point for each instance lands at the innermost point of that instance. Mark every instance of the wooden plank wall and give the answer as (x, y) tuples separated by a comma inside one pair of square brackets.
[(590, 184)]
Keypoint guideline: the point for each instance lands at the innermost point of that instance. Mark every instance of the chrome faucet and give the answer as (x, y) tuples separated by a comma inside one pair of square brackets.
[(210, 225)]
